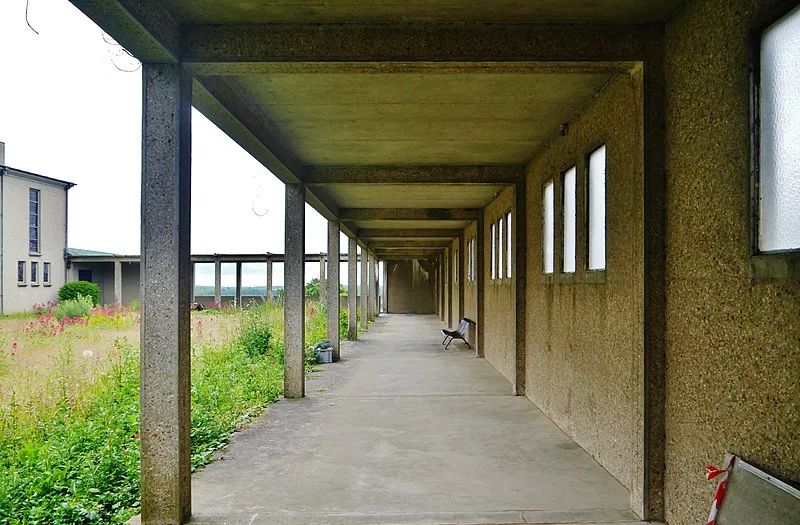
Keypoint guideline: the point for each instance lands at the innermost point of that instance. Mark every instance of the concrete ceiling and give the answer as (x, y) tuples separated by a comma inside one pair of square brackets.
[(410, 196), (349, 119), (498, 11)]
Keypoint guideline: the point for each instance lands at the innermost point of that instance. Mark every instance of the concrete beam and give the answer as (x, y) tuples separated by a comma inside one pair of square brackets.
[(352, 289), (165, 391), (408, 214), (373, 233), (143, 27), (409, 252), (234, 45), (221, 103), (332, 292), (294, 296), (429, 243), (415, 175)]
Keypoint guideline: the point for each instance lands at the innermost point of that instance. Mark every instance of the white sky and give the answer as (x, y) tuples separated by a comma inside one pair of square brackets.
[(67, 112)]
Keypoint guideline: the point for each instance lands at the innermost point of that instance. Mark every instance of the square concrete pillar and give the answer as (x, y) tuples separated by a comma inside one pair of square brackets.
[(442, 285), (364, 295), (322, 280), (385, 297), (480, 280), (117, 282), (373, 281), (239, 284), (370, 285), (352, 289), (217, 282), (194, 272), (165, 295), (332, 287), (294, 293), (269, 280), (448, 279), (462, 277)]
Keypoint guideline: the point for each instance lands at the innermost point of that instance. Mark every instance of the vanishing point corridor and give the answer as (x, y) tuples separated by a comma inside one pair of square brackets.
[(401, 431)]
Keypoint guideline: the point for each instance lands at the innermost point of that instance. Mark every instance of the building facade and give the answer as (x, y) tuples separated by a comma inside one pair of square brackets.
[(33, 229)]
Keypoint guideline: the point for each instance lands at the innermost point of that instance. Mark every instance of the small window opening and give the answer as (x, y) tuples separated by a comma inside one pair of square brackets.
[(569, 220), (509, 241), (548, 230), (597, 209), (493, 273)]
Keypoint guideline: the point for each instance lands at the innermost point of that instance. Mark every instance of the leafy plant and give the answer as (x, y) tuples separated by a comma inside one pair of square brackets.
[(81, 306), (312, 288), (77, 288), (254, 333)]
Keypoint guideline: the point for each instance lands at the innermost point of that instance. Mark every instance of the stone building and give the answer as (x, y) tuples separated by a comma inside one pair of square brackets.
[(609, 189), (33, 234)]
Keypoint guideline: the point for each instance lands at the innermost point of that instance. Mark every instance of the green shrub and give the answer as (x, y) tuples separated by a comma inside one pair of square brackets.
[(254, 333), (76, 288), (78, 307)]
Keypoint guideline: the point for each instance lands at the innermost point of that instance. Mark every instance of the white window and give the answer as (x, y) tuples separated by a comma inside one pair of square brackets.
[(21, 272), (500, 246), (455, 266), (33, 220), (471, 262), (779, 148), (548, 232), (46, 273), (569, 220), (34, 273), (493, 272), (597, 209), (508, 244)]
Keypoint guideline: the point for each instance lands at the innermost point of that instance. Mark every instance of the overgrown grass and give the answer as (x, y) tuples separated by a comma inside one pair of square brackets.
[(69, 452)]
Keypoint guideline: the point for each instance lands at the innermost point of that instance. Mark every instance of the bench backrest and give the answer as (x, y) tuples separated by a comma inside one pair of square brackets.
[(753, 496), (462, 326)]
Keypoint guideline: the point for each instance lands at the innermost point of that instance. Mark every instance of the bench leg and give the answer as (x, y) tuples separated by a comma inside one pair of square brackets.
[(445, 339)]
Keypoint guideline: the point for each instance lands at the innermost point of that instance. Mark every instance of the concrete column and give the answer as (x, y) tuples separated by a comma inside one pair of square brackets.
[(352, 289), (218, 281), (448, 271), (165, 274), (332, 285), (385, 288), (462, 275), (518, 230), (480, 279), (192, 287), (372, 288), (376, 289), (238, 284), (364, 295), (440, 286), (269, 280), (117, 282), (322, 289), (294, 293)]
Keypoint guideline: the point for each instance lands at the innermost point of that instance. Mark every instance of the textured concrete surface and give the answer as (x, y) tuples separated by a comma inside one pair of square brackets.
[(294, 288), (165, 295), (585, 329), (332, 298), (401, 431), (733, 354), (411, 286), (352, 287)]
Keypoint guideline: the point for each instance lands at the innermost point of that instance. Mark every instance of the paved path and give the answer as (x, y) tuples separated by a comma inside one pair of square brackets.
[(403, 432)]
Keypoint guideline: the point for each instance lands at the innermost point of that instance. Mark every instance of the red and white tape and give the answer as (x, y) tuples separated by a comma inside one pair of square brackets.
[(713, 472)]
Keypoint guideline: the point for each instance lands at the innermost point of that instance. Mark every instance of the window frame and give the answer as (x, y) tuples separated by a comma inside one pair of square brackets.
[(773, 265), (545, 272), (501, 236), (47, 270), (493, 253), (23, 265), (573, 168), (34, 273), (38, 227), (509, 246), (587, 203)]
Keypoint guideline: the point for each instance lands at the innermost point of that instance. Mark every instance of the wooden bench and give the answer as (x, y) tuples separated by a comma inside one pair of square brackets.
[(750, 496), (458, 333)]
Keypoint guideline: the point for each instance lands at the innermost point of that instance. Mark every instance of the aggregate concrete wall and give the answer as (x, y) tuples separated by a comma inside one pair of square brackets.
[(455, 261), (500, 312), (410, 286), (733, 354), (471, 286), (585, 329)]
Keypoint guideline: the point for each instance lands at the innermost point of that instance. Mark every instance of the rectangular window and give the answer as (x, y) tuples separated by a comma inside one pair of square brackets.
[(46, 273), (569, 219), (508, 244), (472, 262), (34, 272), (493, 251), (455, 266), (500, 246), (20, 272), (33, 220), (597, 209), (548, 232), (779, 136)]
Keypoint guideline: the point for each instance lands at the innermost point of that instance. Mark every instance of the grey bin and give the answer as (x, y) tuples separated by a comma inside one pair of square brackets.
[(325, 356)]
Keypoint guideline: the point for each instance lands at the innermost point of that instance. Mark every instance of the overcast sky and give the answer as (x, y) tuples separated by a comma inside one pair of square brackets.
[(68, 112)]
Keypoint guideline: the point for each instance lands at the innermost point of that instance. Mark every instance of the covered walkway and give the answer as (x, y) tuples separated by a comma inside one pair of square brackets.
[(402, 431)]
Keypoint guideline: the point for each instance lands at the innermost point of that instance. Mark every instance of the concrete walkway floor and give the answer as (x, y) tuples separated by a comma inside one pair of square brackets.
[(401, 431)]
